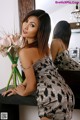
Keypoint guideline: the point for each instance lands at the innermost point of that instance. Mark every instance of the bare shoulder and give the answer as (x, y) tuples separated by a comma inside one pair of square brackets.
[(24, 56), (56, 41), (26, 51), (27, 54)]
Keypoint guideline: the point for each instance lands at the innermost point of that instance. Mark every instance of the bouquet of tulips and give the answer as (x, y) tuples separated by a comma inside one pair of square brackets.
[(9, 46)]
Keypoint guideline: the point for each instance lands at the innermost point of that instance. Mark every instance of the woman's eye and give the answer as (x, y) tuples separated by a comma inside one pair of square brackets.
[(32, 25)]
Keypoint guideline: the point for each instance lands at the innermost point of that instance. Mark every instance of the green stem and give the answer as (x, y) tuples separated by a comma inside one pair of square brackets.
[(10, 57), (14, 78), (15, 70), (9, 80), (19, 75)]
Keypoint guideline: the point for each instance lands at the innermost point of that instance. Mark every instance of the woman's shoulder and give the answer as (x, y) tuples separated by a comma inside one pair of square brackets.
[(56, 41), (30, 53), (26, 50)]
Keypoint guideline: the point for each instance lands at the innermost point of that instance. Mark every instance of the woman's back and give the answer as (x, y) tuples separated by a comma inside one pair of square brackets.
[(61, 57), (64, 62)]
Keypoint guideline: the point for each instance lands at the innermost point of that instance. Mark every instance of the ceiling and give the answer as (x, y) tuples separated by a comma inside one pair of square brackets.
[(53, 5)]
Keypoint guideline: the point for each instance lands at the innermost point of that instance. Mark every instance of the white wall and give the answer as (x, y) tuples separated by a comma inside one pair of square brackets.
[(9, 23), (64, 13), (75, 40), (9, 20)]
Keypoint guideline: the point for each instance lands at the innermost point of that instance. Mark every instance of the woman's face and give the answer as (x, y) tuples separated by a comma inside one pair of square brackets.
[(30, 27)]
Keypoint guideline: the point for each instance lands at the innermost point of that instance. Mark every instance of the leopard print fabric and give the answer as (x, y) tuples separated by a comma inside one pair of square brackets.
[(64, 62), (54, 97)]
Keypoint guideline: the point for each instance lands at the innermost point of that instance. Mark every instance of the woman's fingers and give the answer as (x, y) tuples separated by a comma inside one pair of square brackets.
[(6, 92), (18, 90), (9, 92)]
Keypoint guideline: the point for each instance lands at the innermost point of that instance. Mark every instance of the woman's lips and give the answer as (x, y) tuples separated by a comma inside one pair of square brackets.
[(25, 32)]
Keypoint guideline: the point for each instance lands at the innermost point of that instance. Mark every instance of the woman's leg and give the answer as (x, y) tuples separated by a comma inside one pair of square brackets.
[(44, 118)]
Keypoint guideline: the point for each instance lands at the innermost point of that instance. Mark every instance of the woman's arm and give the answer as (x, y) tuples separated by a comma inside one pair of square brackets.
[(29, 84), (30, 79)]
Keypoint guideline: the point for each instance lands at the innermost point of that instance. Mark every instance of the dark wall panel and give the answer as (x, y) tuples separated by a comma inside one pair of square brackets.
[(24, 7)]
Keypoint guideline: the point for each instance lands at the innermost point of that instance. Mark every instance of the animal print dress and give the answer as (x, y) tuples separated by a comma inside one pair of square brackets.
[(64, 62), (54, 97)]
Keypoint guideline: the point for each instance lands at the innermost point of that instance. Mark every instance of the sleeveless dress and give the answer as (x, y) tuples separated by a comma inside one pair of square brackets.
[(64, 62), (54, 97)]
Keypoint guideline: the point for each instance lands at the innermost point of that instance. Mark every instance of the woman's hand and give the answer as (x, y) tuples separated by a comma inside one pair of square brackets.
[(20, 89), (9, 92)]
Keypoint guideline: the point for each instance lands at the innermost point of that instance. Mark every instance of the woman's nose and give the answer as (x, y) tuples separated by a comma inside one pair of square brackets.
[(26, 26)]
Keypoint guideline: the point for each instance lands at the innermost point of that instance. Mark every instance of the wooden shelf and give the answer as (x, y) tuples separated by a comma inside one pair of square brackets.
[(75, 26)]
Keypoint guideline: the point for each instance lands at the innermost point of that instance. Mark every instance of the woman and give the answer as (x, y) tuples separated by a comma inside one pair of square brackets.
[(55, 99), (59, 47)]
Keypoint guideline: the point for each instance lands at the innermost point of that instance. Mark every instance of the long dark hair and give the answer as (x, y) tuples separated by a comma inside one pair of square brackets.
[(43, 31), (62, 30)]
